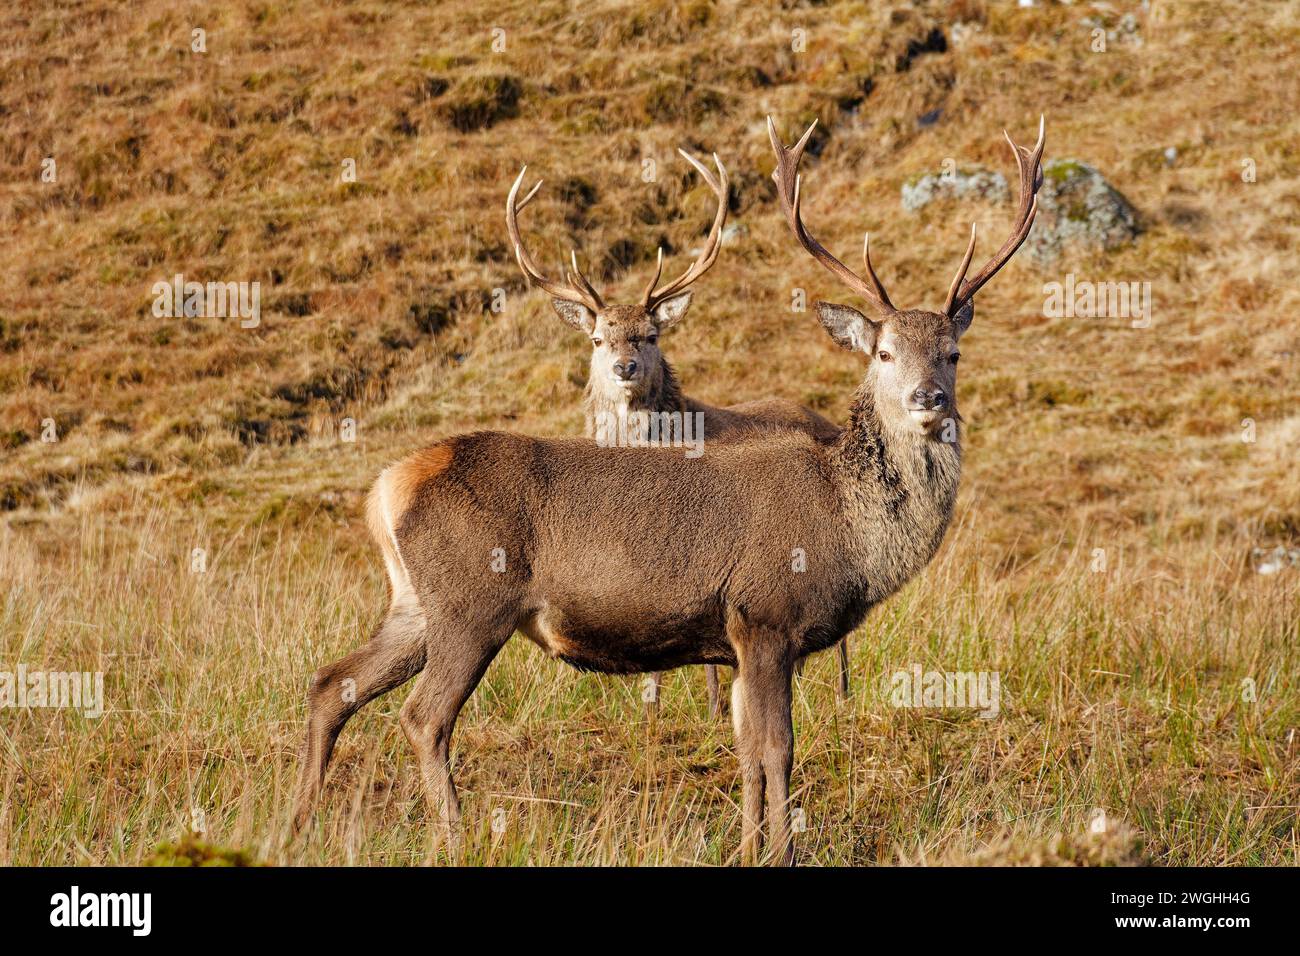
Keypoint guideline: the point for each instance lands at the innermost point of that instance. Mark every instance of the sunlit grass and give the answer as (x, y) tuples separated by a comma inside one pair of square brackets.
[(1121, 692)]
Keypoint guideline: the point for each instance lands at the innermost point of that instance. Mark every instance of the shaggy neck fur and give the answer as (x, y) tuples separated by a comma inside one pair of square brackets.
[(899, 489), (659, 393)]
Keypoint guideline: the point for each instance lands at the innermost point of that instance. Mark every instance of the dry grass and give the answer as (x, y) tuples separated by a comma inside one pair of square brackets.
[(1121, 690)]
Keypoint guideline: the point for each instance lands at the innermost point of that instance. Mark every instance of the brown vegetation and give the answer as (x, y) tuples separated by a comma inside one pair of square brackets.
[(1122, 689)]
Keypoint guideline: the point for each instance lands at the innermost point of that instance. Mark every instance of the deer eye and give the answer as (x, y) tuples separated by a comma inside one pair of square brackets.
[(597, 341), (884, 356), (954, 357), (652, 338)]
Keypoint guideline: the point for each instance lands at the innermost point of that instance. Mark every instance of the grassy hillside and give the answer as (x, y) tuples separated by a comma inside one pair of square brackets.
[(1122, 688)]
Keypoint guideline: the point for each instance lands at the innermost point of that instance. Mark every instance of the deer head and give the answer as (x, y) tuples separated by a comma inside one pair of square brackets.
[(624, 338), (913, 352)]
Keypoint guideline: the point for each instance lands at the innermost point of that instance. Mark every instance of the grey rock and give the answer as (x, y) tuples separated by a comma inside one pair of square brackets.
[(962, 184), (1078, 207)]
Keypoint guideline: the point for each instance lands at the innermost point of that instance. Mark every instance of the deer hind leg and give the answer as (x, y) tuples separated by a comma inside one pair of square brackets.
[(711, 681), (457, 662), (395, 654)]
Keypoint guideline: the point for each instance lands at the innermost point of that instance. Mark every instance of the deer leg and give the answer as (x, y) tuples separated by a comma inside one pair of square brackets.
[(711, 681), (765, 738), (778, 760), (394, 654), (844, 669), (455, 667), (749, 751)]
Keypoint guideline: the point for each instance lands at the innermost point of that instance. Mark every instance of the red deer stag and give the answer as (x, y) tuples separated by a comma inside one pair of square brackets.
[(632, 560), (632, 394)]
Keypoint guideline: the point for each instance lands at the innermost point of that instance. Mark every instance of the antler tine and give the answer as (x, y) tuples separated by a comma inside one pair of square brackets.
[(1029, 164), (654, 279), (519, 206), (652, 297), (871, 271), (961, 274), (1029, 160), (704, 170), (789, 187), (585, 295), (582, 282), (786, 173)]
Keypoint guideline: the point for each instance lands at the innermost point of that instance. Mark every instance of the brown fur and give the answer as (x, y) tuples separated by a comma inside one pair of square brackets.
[(404, 478), (390, 496)]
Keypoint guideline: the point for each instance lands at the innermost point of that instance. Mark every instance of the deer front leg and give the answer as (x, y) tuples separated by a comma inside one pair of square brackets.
[(778, 761), (749, 750), (765, 739), (844, 669)]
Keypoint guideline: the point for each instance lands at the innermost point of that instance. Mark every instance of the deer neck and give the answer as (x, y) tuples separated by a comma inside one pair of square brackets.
[(605, 401), (899, 490)]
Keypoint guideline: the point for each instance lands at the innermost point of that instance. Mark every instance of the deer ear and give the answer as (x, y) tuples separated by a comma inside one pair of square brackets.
[(575, 314), (670, 313), (962, 320), (848, 327)]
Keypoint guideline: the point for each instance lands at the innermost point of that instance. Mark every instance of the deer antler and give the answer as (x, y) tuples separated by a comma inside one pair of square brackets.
[(1031, 178), (575, 287), (788, 184), (652, 297)]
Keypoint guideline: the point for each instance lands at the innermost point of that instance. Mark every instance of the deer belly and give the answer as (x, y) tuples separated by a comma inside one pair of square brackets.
[(628, 645)]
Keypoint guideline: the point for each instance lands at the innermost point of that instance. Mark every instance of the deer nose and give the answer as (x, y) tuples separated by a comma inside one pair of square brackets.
[(935, 398), (625, 370)]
